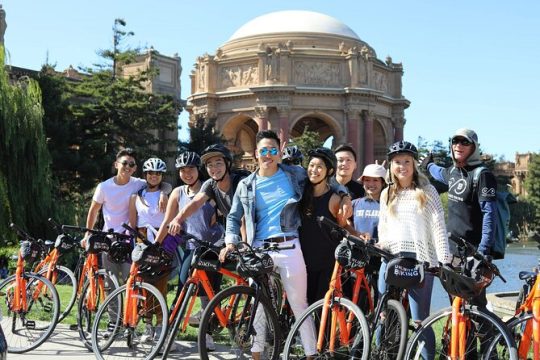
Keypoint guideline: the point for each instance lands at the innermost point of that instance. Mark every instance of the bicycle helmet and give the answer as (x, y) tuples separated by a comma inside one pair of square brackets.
[(292, 155), (350, 256), (120, 252), (217, 150), (154, 164), (252, 265), (97, 243), (153, 260), (460, 282), (327, 156), (188, 158), (402, 147)]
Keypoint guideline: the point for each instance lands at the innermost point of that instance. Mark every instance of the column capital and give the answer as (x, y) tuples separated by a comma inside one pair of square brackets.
[(283, 110), (353, 112), (261, 111)]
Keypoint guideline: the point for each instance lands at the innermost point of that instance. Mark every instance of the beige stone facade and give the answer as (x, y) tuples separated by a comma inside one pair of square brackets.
[(286, 70)]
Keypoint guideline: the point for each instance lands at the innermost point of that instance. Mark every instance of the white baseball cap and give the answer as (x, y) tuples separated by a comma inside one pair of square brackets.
[(375, 171)]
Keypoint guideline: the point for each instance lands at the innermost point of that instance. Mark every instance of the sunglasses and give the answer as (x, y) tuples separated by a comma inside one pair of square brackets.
[(265, 151), (463, 142), (126, 163), (154, 173)]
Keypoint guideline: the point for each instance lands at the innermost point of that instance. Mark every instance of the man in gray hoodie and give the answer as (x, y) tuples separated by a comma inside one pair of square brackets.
[(472, 208)]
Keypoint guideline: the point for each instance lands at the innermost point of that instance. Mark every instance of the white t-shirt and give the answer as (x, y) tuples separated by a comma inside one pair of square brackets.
[(115, 201), (148, 214)]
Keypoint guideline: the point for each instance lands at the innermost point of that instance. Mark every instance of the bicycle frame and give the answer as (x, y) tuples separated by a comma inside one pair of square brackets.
[(531, 332), (19, 300), (89, 269), (335, 290)]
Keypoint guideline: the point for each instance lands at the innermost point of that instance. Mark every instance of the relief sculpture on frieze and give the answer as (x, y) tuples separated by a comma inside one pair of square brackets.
[(238, 75), (316, 73)]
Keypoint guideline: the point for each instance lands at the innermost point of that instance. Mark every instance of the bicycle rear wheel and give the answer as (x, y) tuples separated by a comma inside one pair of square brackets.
[(105, 284), (66, 285), (350, 339), (390, 332), (521, 329), (26, 330), (487, 336), (111, 339), (236, 340)]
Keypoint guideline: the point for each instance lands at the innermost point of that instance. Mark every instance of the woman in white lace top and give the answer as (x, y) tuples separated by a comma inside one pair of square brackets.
[(411, 223)]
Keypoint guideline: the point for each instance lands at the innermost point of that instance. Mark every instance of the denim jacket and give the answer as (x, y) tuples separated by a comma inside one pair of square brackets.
[(243, 204)]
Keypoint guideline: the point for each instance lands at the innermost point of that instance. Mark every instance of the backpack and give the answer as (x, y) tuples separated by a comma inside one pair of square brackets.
[(502, 222)]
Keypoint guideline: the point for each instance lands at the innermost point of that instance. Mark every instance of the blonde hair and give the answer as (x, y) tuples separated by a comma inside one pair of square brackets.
[(419, 182)]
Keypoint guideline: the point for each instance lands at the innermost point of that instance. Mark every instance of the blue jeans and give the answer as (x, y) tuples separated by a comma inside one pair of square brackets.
[(419, 304)]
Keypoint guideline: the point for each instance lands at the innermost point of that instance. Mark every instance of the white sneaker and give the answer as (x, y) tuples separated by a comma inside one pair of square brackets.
[(148, 334), (195, 319), (210, 346)]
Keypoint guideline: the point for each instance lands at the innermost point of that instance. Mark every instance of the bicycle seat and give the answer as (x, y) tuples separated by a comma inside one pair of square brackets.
[(526, 275)]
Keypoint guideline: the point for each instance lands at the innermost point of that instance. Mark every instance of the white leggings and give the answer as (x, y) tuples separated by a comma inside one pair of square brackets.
[(291, 267)]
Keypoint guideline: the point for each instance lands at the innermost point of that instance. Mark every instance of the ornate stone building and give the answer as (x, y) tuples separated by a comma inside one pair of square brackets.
[(291, 69)]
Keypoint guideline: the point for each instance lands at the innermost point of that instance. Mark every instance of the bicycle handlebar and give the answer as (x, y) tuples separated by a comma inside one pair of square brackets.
[(22, 233), (99, 232), (137, 234)]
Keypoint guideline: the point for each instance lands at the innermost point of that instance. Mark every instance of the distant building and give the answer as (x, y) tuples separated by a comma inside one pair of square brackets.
[(288, 69), (515, 172)]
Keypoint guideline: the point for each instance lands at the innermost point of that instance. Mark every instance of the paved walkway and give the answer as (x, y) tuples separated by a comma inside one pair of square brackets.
[(65, 344)]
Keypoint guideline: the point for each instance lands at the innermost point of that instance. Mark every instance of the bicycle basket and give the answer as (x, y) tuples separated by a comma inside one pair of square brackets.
[(153, 260), (251, 264), (120, 251), (466, 282), (97, 243), (31, 251), (206, 259), (404, 273), (350, 256), (63, 243)]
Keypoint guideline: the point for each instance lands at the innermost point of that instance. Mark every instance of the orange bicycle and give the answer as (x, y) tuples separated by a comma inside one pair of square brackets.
[(525, 324), (94, 282), (30, 303), (466, 331)]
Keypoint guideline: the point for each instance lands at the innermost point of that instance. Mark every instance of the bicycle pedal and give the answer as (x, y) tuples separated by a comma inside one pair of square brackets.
[(30, 324), (73, 327), (47, 307)]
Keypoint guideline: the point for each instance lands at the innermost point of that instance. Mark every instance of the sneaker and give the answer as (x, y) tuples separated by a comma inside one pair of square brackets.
[(148, 334), (195, 319), (210, 346)]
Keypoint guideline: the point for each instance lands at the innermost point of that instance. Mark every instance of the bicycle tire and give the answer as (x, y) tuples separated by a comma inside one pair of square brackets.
[(359, 348), (390, 332), (85, 316), (111, 339), (488, 334), (47, 303), (65, 277), (236, 337), (516, 326), (178, 319)]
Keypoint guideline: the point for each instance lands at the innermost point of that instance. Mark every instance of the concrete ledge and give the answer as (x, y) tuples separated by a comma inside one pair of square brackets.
[(503, 303)]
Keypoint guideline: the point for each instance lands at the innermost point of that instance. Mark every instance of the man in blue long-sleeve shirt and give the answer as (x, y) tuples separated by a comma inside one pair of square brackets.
[(472, 210)]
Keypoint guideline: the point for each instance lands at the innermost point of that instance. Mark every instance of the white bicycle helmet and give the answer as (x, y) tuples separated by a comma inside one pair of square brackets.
[(154, 164)]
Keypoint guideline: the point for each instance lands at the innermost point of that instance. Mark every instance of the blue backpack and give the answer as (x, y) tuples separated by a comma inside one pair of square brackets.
[(502, 222)]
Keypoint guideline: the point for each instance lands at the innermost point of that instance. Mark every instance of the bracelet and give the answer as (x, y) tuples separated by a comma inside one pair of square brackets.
[(343, 194)]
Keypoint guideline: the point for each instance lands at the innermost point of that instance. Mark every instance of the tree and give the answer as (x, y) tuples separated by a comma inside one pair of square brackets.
[(202, 134), (309, 140), (532, 185), (25, 177)]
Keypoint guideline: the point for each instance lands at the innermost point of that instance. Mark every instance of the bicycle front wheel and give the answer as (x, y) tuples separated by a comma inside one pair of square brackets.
[(89, 302), (390, 332), (343, 335), (521, 329), (26, 329), (226, 322), (486, 336), (66, 285), (112, 339)]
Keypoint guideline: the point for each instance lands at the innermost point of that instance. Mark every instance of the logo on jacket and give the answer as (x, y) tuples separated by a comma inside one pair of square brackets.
[(458, 187), (488, 192)]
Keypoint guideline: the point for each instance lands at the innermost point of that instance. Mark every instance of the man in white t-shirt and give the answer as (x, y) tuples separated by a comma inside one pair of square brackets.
[(112, 196)]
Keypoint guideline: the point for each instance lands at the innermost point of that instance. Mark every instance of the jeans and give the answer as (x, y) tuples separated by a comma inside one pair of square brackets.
[(419, 304)]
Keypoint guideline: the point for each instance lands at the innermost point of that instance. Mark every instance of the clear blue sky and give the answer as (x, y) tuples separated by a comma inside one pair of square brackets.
[(467, 63)]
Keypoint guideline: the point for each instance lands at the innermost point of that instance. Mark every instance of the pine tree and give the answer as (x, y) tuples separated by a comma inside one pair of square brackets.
[(532, 185), (25, 177), (202, 133), (309, 140)]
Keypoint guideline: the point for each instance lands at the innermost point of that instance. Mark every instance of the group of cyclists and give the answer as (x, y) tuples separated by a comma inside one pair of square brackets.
[(392, 205)]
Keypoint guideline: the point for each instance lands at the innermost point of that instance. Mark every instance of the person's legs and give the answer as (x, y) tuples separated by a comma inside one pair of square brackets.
[(419, 303)]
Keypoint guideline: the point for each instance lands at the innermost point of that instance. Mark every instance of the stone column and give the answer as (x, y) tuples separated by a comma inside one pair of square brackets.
[(261, 117), (369, 157), (353, 125), (283, 132), (399, 124)]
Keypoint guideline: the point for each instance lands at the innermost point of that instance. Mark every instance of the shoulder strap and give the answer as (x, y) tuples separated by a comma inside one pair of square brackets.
[(476, 175)]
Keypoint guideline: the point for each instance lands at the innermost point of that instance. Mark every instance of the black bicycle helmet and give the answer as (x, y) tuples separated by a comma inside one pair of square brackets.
[(460, 282), (120, 252), (251, 264), (217, 150), (292, 155), (188, 158), (328, 157), (402, 147)]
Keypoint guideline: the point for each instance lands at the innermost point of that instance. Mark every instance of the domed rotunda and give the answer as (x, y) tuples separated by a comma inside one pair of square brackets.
[(291, 69)]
